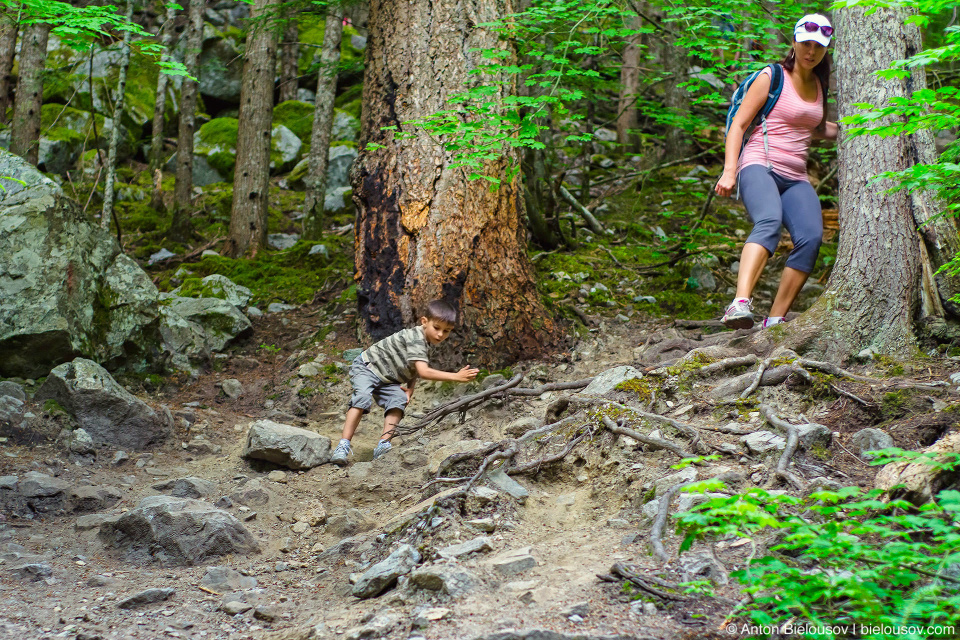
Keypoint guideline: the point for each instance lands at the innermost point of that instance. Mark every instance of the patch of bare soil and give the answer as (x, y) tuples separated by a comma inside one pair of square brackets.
[(582, 529)]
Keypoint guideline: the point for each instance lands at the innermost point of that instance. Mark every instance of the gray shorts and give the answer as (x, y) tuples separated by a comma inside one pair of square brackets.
[(367, 386), (771, 201)]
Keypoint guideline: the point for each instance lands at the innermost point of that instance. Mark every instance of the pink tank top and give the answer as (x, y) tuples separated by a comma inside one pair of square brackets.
[(790, 126)]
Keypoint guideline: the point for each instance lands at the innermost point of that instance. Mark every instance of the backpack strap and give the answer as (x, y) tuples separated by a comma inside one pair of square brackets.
[(823, 120), (776, 87)]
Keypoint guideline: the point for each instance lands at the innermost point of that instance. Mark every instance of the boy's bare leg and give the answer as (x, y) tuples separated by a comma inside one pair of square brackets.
[(390, 421), (353, 421)]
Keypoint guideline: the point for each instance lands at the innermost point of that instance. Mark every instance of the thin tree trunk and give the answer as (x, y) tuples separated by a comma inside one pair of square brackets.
[(108, 186), (289, 59), (627, 120), (675, 99), (183, 187), (160, 103), (8, 45), (248, 217), (872, 297), (317, 161), (25, 128), (425, 231)]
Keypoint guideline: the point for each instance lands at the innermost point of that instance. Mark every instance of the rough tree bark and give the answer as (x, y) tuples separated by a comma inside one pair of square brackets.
[(248, 217), (872, 298), (627, 120), (108, 192), (160, 102), (289, 57), (183, 185), (318, 160), (423, 229), (25, 126), (8, 44)]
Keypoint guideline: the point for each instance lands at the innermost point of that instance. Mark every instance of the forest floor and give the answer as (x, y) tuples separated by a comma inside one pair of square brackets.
[(583, 513)]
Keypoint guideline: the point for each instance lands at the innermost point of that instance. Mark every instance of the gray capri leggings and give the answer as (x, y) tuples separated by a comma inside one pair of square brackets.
[(772, 200)]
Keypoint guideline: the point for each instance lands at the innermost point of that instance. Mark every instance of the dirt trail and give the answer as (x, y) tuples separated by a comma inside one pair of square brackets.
[(581, 516)]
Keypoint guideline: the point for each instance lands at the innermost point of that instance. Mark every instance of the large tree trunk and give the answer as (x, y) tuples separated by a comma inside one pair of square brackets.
[(872, 297), (289, 57), (248, 218), (160, 103), (627, 120), (318, 160), (425, 231), (25, 128), (108, 187), (183, 185), (8, 45)]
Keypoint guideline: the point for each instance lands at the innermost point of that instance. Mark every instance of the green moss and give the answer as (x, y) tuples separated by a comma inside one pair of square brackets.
[(296, 116), (893, 405), (291, 276), (643, 387), (221, 132), (53, 407)]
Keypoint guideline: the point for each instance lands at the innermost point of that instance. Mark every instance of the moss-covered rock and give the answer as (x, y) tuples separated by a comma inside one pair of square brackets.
[(68, 82), (296, 116), (216, 141), (285, 149), (65, 288)]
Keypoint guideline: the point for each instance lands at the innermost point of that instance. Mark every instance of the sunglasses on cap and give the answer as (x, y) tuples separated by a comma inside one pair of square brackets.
[(813, 26)]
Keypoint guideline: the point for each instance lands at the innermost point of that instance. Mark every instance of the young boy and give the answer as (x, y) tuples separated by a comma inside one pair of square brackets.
[(399, 359)]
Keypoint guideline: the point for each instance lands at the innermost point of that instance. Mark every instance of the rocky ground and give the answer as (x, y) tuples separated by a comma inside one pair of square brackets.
[(191, 539)]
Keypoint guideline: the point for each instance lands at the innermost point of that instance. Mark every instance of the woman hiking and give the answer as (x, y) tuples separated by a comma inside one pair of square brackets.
[(772, 170)]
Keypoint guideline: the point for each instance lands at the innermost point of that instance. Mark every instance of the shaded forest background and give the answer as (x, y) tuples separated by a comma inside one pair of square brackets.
[(219, 138)]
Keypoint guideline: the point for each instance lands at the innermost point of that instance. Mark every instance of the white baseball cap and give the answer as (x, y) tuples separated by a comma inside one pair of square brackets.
[(813, 26)]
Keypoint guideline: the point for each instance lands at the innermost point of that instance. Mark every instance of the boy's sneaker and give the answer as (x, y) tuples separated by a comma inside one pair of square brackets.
[(739, 314), (340, 454), (773, 321), (382, 447)]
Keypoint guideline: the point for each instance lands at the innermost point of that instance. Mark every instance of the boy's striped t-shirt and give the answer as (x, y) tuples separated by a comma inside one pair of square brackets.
[(394, 358)]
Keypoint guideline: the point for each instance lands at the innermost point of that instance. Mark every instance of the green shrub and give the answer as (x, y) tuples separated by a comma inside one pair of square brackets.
[(844, 559)]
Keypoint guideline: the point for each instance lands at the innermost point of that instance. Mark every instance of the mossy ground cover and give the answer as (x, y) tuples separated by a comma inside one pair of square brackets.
[(291, 277), (650, 227)]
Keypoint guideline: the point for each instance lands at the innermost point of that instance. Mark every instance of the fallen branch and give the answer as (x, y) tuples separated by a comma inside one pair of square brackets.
[(592, 222), (631, 576), (459, 405)]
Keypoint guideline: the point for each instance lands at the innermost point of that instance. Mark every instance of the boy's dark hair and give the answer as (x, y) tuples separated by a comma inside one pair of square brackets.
[(443, 311)]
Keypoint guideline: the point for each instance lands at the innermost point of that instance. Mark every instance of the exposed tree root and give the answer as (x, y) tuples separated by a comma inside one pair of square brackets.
[(793, 439), (726, 363), (656, 532), (553, 386), (756, 381), (613, 427)]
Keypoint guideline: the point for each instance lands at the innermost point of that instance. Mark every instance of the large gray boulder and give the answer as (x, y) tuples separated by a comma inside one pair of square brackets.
[(177, 531), (340, 159), (282, 444), (194, 328), (221, 67), (65, 287), (105, 410)]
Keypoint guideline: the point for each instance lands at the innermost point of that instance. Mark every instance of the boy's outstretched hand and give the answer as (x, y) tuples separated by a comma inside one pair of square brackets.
[(467, 374)]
